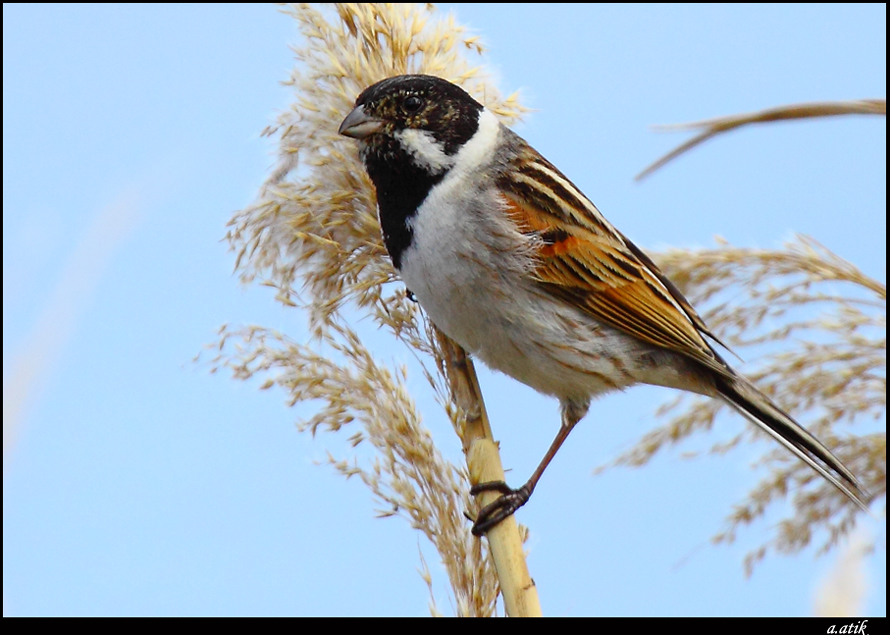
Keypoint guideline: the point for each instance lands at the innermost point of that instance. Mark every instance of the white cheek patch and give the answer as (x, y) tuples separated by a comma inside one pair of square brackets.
[(464, 176), (426, 151), (444, 209)]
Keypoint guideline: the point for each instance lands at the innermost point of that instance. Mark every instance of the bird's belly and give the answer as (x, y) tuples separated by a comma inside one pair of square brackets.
[(501, 316)]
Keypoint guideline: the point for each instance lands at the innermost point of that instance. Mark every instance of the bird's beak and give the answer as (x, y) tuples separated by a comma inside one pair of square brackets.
[(358, 124)]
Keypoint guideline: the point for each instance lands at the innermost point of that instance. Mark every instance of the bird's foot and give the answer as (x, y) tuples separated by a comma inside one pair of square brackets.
[(505, 506)]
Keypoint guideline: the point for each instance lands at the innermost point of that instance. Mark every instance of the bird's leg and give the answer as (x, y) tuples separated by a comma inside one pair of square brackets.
[(513, 499)]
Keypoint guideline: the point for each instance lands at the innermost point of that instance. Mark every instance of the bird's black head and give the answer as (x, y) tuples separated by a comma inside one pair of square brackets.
[(413, 102)]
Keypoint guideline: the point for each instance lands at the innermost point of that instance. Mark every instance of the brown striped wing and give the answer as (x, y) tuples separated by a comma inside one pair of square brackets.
[(585, 261)]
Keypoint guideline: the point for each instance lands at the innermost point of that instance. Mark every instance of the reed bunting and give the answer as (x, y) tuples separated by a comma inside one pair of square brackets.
[(514, 263)]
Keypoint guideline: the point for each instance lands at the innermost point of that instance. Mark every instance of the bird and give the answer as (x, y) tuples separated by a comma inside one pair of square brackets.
[(513, 262)]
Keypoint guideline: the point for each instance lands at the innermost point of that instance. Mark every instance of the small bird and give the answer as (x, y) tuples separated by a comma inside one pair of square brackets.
[(514, 263)]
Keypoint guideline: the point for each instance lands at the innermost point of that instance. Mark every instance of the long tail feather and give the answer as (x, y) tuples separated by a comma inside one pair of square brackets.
[(762, 412)]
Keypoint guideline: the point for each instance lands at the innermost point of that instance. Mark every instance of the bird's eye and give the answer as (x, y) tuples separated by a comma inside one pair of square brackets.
[(412, 104)]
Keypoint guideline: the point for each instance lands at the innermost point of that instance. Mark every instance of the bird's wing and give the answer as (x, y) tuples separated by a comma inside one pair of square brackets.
[(585, 261)]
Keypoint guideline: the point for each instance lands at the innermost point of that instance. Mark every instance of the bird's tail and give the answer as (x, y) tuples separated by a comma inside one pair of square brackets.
[(762, 412)]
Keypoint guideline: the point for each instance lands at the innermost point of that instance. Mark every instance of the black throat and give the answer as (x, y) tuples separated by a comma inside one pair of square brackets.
[(401, 188)]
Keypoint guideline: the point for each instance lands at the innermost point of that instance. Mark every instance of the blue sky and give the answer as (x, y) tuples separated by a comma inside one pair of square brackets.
[(136, 482)]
